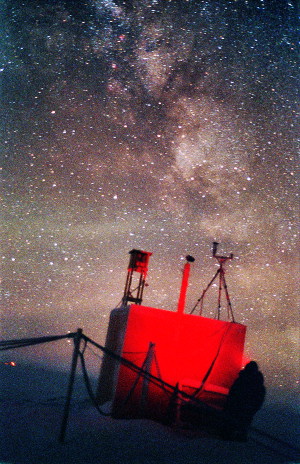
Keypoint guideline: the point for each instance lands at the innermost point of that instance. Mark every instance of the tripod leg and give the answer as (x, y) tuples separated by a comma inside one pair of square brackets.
[(220, 291), (229, 307), (204, 291)]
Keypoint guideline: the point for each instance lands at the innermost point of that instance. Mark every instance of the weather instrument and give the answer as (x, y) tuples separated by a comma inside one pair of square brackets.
[(138, 265), (222, 285)]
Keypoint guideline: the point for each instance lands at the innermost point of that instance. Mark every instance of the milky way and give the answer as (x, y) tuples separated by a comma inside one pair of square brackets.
[(155, 125)]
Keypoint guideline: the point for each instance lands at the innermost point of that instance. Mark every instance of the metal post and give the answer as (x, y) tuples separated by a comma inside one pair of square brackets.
[(64, 423), (145, 386)]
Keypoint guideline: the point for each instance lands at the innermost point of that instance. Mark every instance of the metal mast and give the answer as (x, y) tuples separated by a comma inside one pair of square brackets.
[(138, 263)]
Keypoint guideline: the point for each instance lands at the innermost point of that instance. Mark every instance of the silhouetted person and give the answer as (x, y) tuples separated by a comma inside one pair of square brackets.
[(245, 398)]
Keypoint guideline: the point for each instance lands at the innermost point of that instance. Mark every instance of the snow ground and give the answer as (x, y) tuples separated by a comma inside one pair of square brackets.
[(31, 415)]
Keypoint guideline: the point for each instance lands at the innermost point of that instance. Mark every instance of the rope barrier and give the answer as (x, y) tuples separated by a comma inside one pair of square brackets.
[(168, 388), (12, 344), (78, 337), (206, 376), (158, 371), (171, 390), (98, 356), (20, 343), (88, 383), (156, 380)]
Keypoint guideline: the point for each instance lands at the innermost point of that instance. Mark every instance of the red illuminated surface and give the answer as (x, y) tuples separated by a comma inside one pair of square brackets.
[(139, 261), (186, 347)]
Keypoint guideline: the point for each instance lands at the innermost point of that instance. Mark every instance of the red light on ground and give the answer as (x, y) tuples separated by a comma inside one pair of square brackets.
[(10, 363)]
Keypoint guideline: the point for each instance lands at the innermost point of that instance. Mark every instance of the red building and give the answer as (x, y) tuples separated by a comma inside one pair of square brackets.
[(200, 356)]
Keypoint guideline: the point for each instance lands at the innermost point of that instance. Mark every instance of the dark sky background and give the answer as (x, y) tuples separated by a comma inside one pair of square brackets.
[(159, 125)]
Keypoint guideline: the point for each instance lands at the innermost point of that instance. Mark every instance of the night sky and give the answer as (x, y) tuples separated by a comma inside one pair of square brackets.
[(157, 125)]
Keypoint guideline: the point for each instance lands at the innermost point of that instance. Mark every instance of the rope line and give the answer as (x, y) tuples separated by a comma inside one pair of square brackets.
[(172, 390), (20, 343), (159, 372), (168, 388), (132, 388), (204, 380), (98, 356), (130, 364), (88, 384)]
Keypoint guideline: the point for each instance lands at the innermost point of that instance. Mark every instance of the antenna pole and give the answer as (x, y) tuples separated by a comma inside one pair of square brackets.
[(184, 284)]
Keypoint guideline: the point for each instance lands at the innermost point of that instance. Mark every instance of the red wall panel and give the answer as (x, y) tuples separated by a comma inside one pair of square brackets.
[(187, 347)]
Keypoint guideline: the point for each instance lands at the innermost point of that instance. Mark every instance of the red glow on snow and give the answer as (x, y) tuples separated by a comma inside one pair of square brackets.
[(10, 363)]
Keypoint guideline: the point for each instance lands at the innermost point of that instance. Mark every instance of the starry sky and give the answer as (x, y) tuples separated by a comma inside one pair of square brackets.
[(157, 125)]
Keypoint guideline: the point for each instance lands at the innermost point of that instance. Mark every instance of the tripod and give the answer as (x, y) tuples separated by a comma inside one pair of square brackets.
[(222, 285)]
